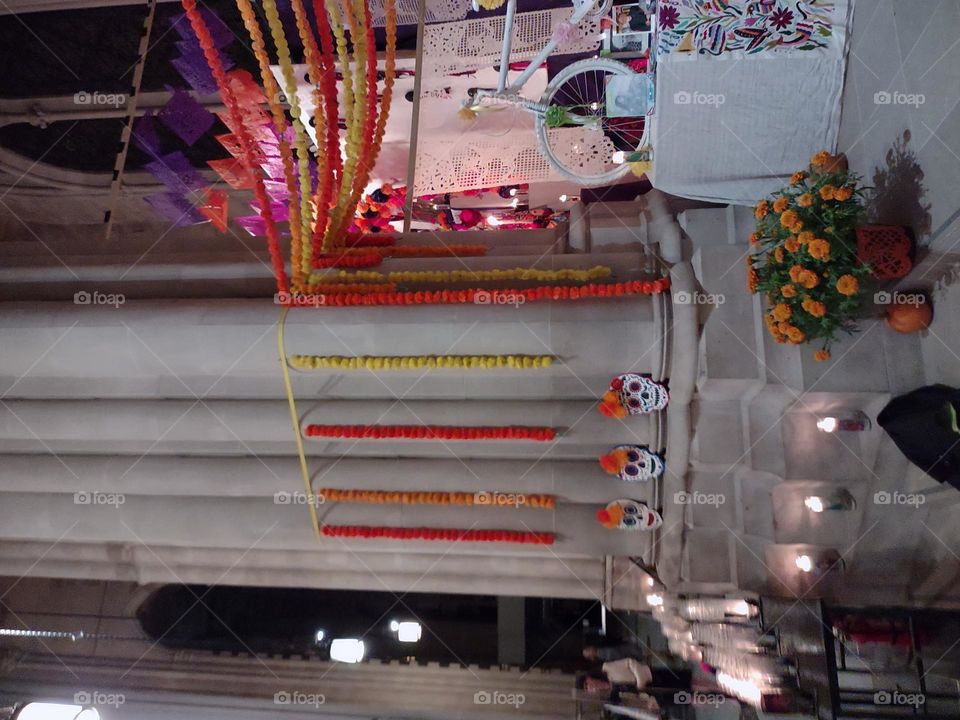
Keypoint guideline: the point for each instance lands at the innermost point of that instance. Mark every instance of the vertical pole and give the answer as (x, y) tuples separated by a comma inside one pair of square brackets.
[(415, 119), (127, 132), (507, 44)]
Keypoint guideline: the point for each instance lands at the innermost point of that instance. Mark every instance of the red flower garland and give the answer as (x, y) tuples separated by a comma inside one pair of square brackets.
[(449, 535), (212, 55), (371, 240), (480, 296), (347, 261), (328, 185), (431, 432)]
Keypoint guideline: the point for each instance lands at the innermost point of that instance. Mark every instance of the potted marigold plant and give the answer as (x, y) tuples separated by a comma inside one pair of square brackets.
[(804, 255)]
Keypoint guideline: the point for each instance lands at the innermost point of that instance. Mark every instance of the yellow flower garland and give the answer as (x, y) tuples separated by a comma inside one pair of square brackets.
[(416, 362), (354, 78), (272, 90), (300, 255), (402, 497), (441, 276)]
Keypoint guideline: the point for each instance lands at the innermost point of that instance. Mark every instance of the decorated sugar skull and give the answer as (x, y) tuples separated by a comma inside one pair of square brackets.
[(628, 515), (632, 394), (633, 463)]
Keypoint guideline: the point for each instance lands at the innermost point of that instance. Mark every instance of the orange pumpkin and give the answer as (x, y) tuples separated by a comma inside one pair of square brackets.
[(907, 316)]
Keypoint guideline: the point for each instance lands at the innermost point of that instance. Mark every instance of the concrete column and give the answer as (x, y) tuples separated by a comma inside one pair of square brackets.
[(228, 348)]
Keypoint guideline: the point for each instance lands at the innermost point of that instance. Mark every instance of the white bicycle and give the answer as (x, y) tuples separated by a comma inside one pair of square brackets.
[(610, 135)]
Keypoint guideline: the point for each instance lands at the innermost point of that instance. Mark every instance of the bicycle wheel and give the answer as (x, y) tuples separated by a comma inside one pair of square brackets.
[(584, 149)]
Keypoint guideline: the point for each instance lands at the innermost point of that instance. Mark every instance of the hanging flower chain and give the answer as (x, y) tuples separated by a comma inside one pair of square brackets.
[(430, 432), (416, 362), (479, 296), (212, 56), (391, 533), (452, 276), (470, 499)]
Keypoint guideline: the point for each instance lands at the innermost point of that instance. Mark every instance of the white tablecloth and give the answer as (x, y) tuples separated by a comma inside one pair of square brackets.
[(733, 128)]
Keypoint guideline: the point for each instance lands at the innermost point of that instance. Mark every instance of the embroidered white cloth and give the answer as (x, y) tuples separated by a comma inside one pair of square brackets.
[(733, 126)]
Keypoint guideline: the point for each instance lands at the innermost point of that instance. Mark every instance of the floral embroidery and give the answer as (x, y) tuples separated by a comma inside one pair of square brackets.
[(716, 27)]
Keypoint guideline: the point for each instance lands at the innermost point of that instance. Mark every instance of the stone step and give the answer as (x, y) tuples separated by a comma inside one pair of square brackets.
[(729, 347)]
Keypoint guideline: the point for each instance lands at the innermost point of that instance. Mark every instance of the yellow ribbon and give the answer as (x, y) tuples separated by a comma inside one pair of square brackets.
[(295, 419)]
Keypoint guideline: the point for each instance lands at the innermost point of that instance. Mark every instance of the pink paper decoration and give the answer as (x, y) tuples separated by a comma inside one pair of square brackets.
[(277, 190), (279, 210), (234, 173), (255, 225), (245, 88)]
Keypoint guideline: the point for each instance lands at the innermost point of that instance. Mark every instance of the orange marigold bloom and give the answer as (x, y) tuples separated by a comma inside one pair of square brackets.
[(791, 244), (754, 238), (796, 336), (788, 291), (798, 177), (780, 204), (784, 327), (778, 254), (827, 192), (762, 209), (789, 218), (782, 312), (808, 279), (847, 285), (815, 308), (795, 273), (797, 227), (805, 237), (821, 355), (771, 322), (819, 249), (752, 278), (820, 159), (844, 193)]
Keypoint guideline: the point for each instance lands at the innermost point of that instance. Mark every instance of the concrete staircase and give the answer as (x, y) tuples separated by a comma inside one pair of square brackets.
[(756, 444)]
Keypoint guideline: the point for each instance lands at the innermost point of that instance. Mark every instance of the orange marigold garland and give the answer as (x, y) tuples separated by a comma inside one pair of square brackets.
[(429, 497), (479, 296), (448, 535), (331, 164), (272, 92), (210, 52), (430, 432), (348, 261), (301, 138)]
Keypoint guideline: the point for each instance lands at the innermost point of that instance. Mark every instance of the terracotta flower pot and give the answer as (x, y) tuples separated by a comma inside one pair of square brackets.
[(836, 163), (887, 249)]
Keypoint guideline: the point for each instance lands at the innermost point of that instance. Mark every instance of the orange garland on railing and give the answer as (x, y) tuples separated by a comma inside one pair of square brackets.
[(321, 289), (360, 257), (347, 261), (480, 296), (428, 497), (393, 533), (430, 432)]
